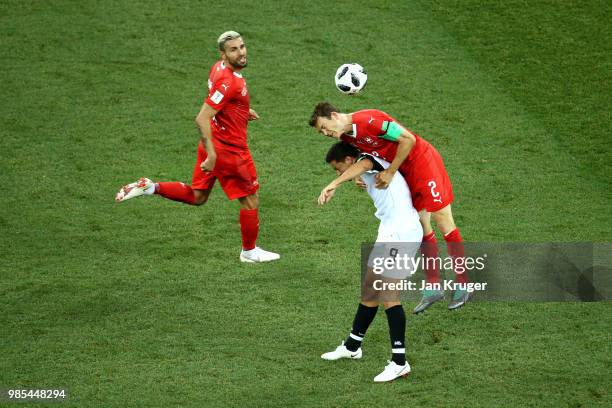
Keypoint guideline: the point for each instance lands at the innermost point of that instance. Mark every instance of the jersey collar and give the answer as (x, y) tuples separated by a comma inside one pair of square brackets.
[(353, 132), (237, 74), (234, 72)]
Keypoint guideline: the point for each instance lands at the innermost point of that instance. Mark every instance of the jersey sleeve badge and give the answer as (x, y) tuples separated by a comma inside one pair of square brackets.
[(217, 97)]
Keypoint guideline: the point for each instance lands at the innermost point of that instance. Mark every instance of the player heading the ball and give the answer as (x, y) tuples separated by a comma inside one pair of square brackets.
[(379, 134)]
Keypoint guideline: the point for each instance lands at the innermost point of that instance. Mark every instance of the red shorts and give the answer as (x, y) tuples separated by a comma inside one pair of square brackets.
[(428, 180), (235, 171)]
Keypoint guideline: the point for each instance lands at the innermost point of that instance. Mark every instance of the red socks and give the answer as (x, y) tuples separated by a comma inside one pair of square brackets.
[(454, 243), (249, 219), (177, 192), (249, 227), (429, 250)]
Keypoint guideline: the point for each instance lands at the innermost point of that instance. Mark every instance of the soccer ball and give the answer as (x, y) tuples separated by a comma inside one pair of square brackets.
[(351, 78)]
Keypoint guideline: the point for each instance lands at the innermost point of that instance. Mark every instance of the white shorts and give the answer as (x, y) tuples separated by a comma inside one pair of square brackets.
[(393, 254)]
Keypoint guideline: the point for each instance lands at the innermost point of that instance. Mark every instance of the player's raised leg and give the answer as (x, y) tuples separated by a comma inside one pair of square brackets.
[(181, 192), (429, 252), (175, 191), (201, 184), (195, 194), (435, 196), (454, 242)]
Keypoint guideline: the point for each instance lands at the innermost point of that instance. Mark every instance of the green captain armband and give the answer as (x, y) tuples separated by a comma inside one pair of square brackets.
[(392, 131)]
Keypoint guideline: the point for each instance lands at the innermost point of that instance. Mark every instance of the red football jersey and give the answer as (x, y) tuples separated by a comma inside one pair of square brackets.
[(423, 169), (369, 128), (228, 94)]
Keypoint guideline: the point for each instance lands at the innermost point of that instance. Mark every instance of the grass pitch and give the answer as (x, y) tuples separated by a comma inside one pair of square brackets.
[(146, 304)]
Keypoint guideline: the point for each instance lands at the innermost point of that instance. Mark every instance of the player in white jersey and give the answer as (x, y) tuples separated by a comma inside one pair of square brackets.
[(399, 235)]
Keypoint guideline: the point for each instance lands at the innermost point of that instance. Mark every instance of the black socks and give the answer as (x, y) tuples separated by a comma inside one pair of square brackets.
[(364, 316), (397, 329)]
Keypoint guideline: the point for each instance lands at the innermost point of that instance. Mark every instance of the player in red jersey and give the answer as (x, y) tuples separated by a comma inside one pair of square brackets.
[(377, 133), (223, 153)]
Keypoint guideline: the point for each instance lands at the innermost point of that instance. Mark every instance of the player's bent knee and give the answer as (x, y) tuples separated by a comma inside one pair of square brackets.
[(201, 197), (201, 201), (444, 220), (249, 202)]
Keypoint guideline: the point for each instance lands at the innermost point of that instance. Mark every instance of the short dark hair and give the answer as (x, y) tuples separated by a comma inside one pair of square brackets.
[(323, 109), (340, 151)]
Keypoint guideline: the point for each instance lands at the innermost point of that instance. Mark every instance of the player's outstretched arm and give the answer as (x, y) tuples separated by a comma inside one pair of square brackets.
[(203, 122), (356, 170), (406, 141)]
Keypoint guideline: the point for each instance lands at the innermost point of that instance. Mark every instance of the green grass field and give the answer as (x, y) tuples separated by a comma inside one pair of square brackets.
[(145, 304)]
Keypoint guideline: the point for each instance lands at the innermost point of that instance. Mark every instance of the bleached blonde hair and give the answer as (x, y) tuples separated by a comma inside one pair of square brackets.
[(226, 36)]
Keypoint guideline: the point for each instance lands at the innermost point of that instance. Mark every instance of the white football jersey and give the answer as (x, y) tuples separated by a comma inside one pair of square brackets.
[(394, 209)]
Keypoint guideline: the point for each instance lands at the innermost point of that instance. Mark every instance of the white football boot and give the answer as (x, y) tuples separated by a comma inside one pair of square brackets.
[(393, 371), (342, 352), (258, 255), (136, 189)]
